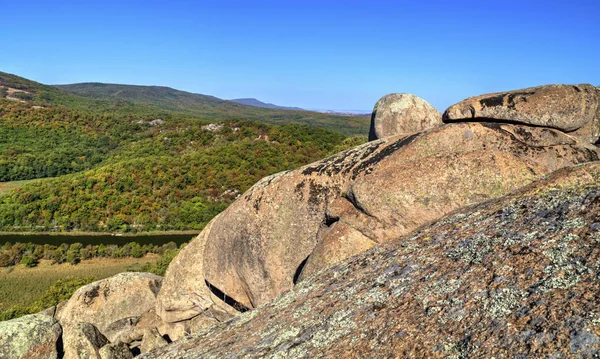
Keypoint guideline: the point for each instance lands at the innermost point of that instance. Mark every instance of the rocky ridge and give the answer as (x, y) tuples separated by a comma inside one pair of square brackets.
[(255, 250), (350, 252), (514, 277)]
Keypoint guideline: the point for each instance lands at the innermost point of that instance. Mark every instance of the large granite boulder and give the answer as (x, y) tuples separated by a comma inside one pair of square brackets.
[(517, 277), (82, 341), (570, 108), (113, 305), (34, 336), (253, 251), (402, 114)]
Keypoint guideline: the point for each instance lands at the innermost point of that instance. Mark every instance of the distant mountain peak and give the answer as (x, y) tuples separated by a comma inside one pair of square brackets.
[(256, 103)]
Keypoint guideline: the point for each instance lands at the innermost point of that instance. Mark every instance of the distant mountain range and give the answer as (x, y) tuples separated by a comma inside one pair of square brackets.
[(213, 108), (256, 103)]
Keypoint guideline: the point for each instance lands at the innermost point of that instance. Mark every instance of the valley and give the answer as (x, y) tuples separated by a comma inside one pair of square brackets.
[(99, 179)]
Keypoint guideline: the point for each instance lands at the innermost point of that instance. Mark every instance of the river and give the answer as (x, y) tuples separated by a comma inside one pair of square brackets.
[(57, 239)]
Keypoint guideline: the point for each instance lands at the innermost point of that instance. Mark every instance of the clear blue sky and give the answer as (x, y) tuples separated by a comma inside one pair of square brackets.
[(313, 54)]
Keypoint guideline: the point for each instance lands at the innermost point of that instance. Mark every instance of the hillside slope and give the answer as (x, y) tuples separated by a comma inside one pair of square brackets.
[(209, 107), (120, 174)]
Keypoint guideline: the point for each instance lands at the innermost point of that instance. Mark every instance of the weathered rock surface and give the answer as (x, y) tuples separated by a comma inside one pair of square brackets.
[(565, 107), (402, 114), (252, 251), (152, 340), (82, 341), (334, 244), (32, 336), (517, 277), (113, 305), (185, 294), (115, 351)]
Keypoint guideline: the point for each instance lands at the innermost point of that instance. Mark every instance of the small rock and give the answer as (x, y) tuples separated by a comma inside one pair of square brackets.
[(82, 341), (115, 351), (152, 339)]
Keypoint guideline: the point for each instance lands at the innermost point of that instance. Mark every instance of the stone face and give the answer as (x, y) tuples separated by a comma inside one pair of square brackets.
[(113, 305), (516, 277), (82, 341), (564, 107), (32, 336), (402, 114), (252, 251)]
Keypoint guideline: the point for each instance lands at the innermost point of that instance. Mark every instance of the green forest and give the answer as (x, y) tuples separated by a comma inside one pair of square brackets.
[(114, 171)]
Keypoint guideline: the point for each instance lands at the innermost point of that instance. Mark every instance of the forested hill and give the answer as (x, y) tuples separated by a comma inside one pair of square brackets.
[(121, 173), (130, 100), (209, 107)]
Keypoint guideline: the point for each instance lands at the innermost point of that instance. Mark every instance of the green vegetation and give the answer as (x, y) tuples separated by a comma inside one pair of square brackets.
[(111, 167), (29, 290), (159, 102), (29, 254), (129, 175), (6, 187), (181, 102)]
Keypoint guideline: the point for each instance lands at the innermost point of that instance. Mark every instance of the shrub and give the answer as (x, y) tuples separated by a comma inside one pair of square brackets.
[(5, 260), (28, 261)]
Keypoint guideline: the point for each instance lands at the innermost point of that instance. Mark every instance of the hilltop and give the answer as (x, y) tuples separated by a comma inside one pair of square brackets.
[(256, 103), (160, 101), (212, 108)]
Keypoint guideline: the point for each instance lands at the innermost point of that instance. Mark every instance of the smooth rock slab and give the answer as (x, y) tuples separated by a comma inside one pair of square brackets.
[(402, 114), (564, 107), (32, 336)]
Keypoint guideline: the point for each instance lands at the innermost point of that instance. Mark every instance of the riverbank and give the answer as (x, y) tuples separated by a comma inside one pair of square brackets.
[(57, 238), (116, 234)]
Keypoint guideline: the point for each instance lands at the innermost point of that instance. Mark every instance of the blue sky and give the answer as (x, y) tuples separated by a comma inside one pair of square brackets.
[(312, 54)]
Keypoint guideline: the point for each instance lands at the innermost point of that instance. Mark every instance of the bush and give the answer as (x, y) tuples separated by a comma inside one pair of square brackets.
[(5, 260), (28, 261)]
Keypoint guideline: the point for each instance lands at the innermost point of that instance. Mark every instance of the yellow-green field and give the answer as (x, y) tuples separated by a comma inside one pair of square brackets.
[(6, 187), (22, 286)]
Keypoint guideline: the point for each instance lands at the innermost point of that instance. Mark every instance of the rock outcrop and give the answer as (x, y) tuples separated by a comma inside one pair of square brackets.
[(113, 305), (402, 114), (252, 252), (570, 108), (34, 336), (82, 341), (516, 277)]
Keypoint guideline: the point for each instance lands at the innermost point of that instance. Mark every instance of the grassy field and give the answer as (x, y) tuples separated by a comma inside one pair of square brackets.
[(6, 187), (22, 286)]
